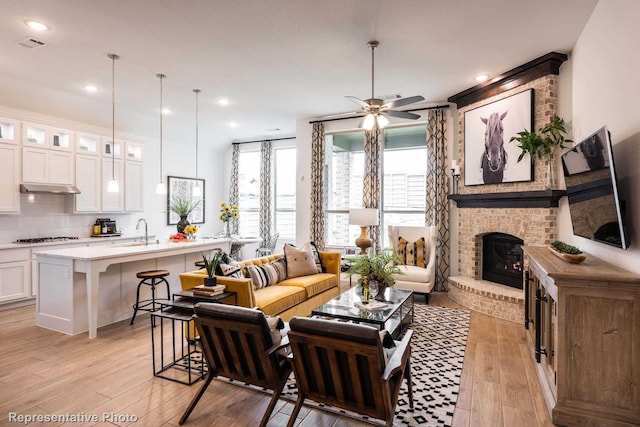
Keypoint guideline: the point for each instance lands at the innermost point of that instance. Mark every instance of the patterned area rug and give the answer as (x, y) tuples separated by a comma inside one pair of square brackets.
[(437, 353)]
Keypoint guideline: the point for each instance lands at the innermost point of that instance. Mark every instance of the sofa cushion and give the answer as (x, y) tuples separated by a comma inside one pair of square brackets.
[(311, 247), (276, 299), (314, 284), (412, 274), (299, 262), (412, 253), (266, 274)]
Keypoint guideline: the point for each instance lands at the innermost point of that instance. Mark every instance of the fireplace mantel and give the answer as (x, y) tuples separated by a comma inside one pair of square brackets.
[(519, 199)]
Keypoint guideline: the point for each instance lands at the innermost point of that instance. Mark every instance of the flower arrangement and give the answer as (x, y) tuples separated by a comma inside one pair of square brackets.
[(227, 212), (191, 230)]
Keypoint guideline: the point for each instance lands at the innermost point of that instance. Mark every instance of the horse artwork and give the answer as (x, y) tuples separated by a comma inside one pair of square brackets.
[(494, 158)]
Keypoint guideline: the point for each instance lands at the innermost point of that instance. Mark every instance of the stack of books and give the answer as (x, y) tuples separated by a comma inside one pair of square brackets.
[(208, 291)]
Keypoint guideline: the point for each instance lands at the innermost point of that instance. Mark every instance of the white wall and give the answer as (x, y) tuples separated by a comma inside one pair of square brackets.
[(605, 91)]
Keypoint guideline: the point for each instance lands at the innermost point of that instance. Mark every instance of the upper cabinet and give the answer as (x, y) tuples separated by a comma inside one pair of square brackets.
[(10, 178), (9, 131), (134, 151), (43, 136), (108, 149), (88, 144)]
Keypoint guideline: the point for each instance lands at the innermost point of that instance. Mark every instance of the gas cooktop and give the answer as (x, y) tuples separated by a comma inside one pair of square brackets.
[(46, 239)]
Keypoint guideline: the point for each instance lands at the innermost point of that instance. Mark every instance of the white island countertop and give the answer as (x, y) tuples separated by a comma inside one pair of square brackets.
[(58, 302)]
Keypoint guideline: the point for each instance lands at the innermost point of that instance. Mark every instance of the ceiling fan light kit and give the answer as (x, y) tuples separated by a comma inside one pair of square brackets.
[(375, 108)]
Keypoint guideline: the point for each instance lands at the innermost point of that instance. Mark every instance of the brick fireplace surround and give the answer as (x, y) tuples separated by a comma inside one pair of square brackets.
[(535, 223)]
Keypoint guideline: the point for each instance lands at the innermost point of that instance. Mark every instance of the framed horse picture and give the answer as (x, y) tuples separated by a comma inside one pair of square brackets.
[(489, 157)]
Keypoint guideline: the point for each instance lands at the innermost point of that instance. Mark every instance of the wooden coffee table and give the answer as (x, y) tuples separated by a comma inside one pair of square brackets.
[(395, 318)]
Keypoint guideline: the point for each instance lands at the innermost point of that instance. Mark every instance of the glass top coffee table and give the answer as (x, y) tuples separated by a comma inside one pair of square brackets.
[(395, 317)]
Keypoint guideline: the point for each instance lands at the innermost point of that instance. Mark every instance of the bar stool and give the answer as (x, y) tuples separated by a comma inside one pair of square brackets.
[(199, 264), (150, 278)]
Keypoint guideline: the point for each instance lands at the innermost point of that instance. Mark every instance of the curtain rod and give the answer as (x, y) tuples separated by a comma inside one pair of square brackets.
[(262, 140), (362, 115)]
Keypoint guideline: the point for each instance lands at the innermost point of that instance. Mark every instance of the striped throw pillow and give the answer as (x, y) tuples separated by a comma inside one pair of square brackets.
[(267, 274), (412, 253)]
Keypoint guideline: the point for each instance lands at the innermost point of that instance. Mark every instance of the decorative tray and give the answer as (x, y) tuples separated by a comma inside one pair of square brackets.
[(372, 305), (573, 259)]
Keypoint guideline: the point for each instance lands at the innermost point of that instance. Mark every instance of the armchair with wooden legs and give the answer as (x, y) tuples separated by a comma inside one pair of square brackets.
[(237, 344), (347, 365)]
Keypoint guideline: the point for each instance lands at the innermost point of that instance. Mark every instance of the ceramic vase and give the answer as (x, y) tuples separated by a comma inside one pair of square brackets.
[(182, 223)]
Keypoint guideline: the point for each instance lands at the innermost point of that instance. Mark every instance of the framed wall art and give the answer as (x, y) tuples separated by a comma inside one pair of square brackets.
[(489, 157), (182, 191)]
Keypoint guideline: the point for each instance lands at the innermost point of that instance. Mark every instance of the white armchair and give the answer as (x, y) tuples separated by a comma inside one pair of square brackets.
[(418, 279)]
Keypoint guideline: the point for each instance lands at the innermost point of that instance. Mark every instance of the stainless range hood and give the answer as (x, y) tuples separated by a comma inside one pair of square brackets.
[(48, 189)]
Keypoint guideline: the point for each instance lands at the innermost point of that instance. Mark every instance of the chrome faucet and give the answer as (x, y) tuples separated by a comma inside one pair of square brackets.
[(146, 234)]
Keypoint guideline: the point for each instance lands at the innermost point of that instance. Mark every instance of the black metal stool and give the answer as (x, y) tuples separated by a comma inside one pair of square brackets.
[(150, 278), (199, 264)]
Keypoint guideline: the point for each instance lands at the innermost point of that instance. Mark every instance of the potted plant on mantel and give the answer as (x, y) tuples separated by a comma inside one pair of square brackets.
[(183, 206), (210, 264), (545, 144), (378, 267)]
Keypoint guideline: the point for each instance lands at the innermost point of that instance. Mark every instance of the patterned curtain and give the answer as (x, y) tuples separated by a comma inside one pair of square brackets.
[(372, 176), (266, 158), (233, 188), (316, 232), (437, 207)]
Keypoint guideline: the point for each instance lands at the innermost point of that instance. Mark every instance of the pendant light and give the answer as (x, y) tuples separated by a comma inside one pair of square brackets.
[(197, 190), (112, 185), (161, 189)]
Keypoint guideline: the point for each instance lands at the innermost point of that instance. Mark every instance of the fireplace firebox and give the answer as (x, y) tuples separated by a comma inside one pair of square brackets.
[(502, 259)]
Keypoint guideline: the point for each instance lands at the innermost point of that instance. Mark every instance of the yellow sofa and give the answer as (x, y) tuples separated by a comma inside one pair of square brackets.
[(288, 298)]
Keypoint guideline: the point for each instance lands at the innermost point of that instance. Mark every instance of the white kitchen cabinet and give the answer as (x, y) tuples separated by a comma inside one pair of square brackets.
[(89, 182), (10, 178), (109, 150), (43, 136), (134, 151), (112, 202), (87, 144), (134, 186), (9, 131), (47, 166), (15, 275)]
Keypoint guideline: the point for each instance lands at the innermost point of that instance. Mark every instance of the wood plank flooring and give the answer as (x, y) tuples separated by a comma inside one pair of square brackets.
[(45, 372)]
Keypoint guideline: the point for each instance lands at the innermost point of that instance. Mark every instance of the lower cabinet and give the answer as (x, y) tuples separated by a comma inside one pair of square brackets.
[(15, 275), (583, 326)]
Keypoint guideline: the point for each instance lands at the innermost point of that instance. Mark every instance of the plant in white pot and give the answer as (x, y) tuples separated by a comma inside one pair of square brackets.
[(210, 265), (544, 144)]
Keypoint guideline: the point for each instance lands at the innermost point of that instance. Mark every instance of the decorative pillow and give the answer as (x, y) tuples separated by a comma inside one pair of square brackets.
[(267, 274), (299, 262), (230, 270), (388, 344), (278, 330), (412, 253), (311, 247), (224, 259)]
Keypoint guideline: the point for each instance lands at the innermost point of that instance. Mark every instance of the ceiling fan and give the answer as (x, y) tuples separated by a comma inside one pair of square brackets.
[(376, 109)]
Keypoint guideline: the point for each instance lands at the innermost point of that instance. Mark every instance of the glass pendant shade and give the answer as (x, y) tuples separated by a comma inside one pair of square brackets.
[(368, 122), (161, 188), (382, 122), (112, 186)]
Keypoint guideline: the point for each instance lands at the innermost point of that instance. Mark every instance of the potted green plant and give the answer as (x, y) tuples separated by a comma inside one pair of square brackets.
[(210, 265), (379, 267), (182, 206), (544, 144)]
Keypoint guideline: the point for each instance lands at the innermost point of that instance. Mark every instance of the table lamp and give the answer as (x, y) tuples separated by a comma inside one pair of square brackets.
[(363, 218)]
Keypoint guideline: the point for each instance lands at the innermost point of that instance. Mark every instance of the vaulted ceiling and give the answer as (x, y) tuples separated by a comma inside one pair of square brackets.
[(276, 61)]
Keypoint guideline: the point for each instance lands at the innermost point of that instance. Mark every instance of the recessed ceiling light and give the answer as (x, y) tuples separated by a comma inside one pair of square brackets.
[(223, 101), (481, 77), (90, 88), (166, 111), (38, 26), (233, 124)]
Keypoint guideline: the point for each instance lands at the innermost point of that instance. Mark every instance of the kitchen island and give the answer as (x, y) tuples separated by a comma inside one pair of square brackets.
[(83, 288)]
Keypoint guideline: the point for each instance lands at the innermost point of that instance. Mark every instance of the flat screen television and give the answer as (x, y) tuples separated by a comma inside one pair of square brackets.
[(592, 189)]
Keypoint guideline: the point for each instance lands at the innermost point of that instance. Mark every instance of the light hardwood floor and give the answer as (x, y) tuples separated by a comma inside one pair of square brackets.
[(45, 372)]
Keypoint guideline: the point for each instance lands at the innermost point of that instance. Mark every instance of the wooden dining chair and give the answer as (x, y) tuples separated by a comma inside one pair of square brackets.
[(238, 344), (347, 365)]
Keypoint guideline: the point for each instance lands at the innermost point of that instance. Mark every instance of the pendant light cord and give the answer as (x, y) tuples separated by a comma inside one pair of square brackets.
[(160, 76), (113, 114), (197, 92)]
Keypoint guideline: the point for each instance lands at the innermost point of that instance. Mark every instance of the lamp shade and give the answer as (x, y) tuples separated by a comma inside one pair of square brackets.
[(363, 216)]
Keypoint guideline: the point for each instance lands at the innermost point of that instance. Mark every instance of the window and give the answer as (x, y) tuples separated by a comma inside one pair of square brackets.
[(285, 192), (404, 172), (249, 192)]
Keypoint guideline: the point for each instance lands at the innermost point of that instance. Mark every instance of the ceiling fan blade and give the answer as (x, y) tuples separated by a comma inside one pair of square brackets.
[(358, 101), (402, 114), (404, 101)]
